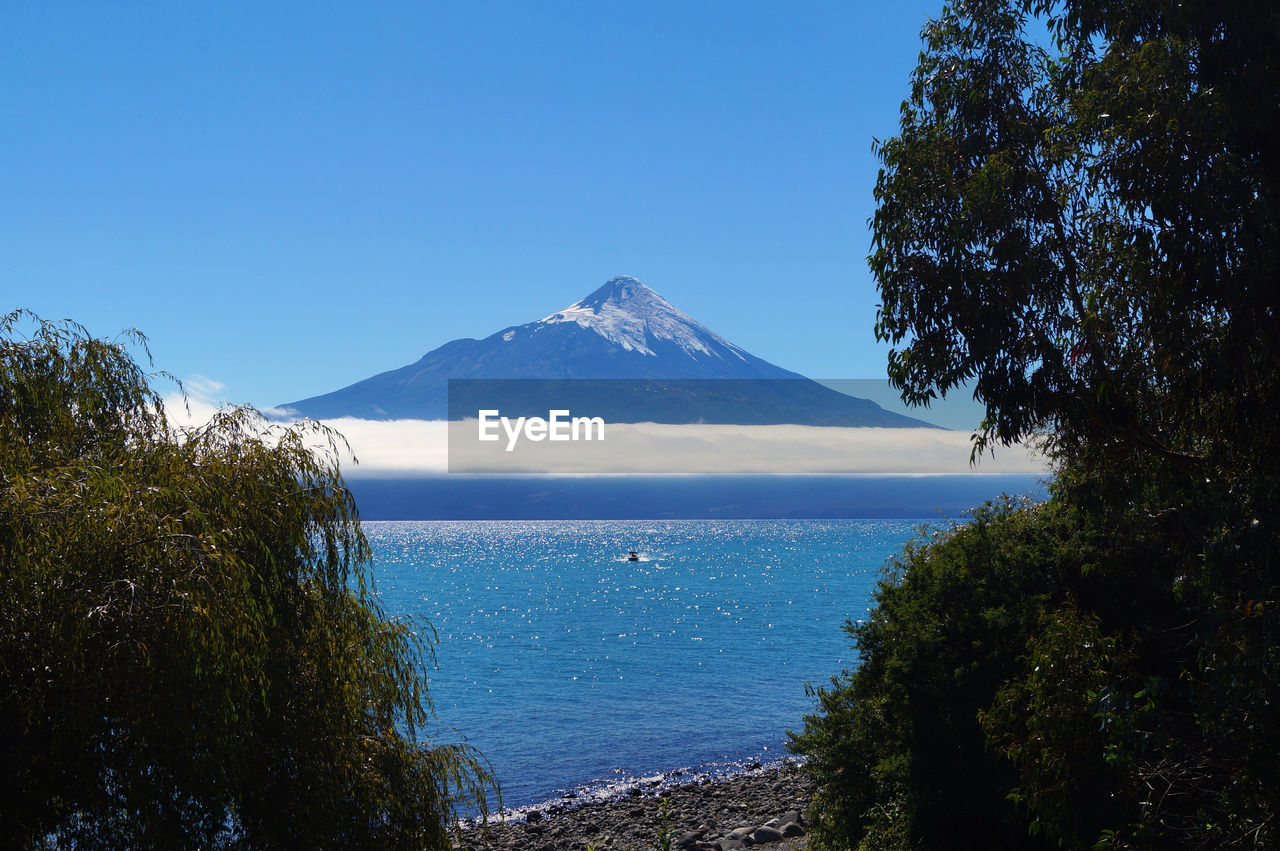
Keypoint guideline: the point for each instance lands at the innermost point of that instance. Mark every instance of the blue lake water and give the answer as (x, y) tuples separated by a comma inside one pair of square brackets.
[(573, 669)]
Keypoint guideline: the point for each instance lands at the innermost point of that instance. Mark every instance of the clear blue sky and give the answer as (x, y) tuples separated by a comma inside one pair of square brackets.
[(288, 198)]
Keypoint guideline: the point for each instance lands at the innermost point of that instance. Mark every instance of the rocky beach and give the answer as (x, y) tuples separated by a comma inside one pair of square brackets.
[(760, 806)]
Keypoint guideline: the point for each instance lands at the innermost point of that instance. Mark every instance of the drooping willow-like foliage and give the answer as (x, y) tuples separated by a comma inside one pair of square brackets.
[(191, 652)]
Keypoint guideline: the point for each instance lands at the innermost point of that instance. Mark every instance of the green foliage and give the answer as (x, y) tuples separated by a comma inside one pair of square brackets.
[(664, 824), (191, 652), (1038, 677), (1054, 723), (1085, 227), (1080, 219), (896, 748)]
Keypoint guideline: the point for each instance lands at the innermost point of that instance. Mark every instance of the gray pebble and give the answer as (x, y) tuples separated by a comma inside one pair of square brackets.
[(766, 834), (705, 815)]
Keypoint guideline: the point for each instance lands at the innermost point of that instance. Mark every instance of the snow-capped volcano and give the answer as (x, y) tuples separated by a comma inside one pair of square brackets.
[(623, 330), (626, 312)]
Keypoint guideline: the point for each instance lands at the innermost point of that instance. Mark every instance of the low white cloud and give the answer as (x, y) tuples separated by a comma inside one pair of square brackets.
[(200, 398), (188, 411), (395, 447), (390, 448), (649, 448), (204, 389)]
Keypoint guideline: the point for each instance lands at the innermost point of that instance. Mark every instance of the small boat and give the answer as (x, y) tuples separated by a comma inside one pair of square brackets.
[(633, 556)]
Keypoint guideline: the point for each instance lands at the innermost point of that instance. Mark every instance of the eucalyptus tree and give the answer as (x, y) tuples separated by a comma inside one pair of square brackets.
[(1079, 222), (1079, 218)]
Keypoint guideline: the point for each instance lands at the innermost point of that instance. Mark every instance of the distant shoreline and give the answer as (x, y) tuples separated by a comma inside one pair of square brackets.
[(459, 497)]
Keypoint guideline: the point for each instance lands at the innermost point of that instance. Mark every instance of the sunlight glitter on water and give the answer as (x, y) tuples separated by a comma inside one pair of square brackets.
[(569, 665)]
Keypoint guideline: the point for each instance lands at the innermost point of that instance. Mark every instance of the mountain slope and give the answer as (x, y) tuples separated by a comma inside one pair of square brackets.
[(637, 343)]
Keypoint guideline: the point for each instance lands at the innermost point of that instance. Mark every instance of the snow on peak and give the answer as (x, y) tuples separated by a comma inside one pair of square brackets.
[(629, 314)]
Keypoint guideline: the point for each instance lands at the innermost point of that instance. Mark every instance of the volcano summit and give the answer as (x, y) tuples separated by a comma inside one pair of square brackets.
[(623, 345)]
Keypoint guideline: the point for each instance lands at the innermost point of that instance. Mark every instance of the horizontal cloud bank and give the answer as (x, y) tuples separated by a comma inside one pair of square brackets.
[(389, 448), (650, 448), (417, 447)]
